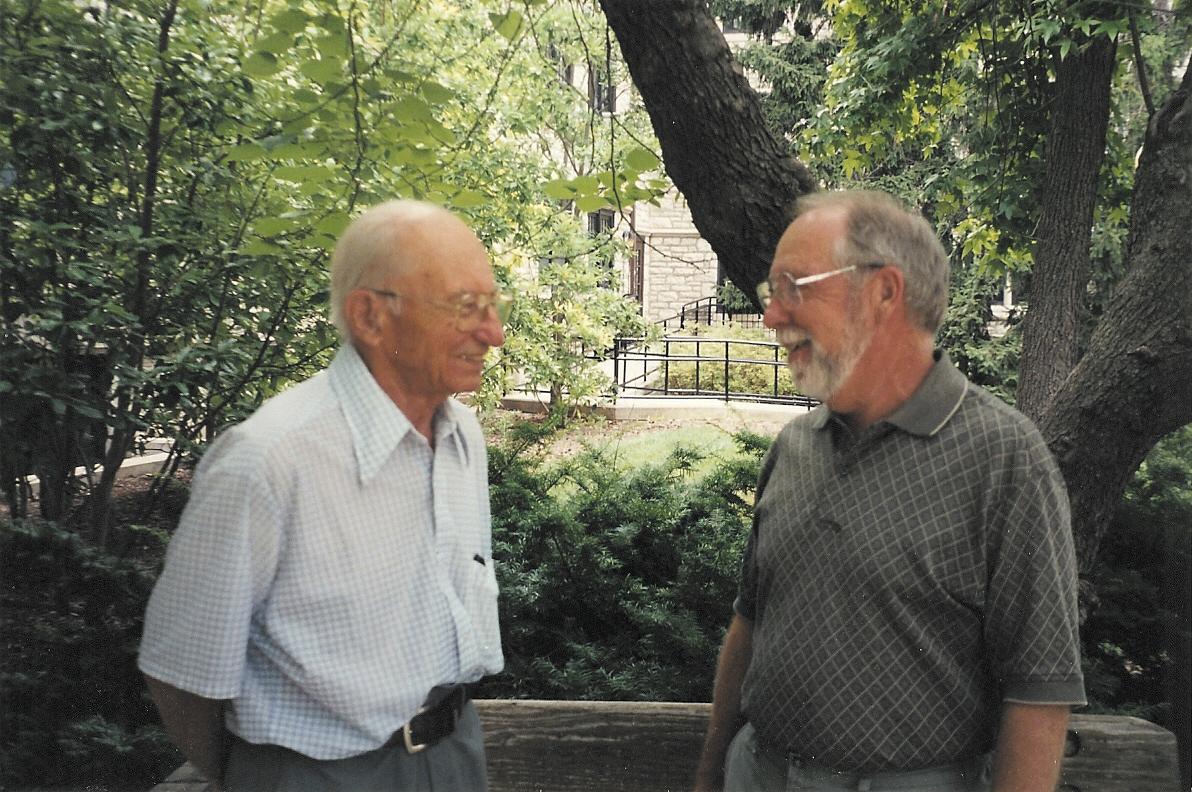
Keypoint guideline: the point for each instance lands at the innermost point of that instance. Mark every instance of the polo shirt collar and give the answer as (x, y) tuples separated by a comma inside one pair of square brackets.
[(934, 402), (928, 409), (377, 426)]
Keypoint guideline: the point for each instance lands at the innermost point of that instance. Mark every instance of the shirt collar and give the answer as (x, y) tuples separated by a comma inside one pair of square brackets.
[(928, 409), (376, 424), (934, 402)]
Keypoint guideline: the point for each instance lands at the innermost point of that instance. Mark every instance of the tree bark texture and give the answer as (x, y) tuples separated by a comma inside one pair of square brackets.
[(1134, 383), (736, 175), (1075, 150)]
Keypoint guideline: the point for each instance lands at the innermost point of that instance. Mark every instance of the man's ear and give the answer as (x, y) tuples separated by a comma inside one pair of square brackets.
[(888, 287), (363, 316)]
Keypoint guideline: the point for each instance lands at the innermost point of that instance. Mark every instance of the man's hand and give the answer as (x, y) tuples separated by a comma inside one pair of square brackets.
[(726, 718), (1030, 747), (195, 725)]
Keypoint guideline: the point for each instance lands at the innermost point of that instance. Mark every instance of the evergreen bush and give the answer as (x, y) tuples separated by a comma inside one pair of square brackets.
[(75, 711), (617, 585)]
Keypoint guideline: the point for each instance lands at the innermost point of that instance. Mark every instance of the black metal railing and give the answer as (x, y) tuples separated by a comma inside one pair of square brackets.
[(708, 311), (643, 368)]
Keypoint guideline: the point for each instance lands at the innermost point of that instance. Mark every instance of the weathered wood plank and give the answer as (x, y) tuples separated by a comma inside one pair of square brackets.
[(612, 746), (559, 746), (1116, 753)]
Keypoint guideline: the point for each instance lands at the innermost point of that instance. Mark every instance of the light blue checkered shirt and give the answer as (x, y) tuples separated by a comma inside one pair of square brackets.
[(330, 568)]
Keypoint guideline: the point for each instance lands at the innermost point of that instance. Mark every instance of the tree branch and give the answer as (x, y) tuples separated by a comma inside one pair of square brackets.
[(734, 172)]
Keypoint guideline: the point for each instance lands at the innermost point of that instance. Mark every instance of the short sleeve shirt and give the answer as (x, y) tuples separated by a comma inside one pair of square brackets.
[(902, 583), (330, 568)]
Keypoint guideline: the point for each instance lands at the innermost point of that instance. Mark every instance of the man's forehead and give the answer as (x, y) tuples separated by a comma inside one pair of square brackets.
[(446, 255), (806, 245)]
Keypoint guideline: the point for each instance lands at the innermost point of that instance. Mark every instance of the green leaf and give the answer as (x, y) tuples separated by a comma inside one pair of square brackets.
[(590, 203), (435, 93), (259, 247), (559, 189), (410, 108), (641, 159), (269, 226), (333, 224), (302, 173), (508, 25), (261, 64), (291, 20), (305, 96), (334, 45), (279, 42), (323, 70), (468, 199), (245, 152), (585, 185)]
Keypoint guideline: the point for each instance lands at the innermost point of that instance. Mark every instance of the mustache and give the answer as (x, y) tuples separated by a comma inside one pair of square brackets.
[(791, 337)]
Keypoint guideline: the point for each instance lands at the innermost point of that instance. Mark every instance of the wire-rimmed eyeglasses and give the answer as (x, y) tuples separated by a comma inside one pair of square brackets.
[(788, 289), (467, 309)]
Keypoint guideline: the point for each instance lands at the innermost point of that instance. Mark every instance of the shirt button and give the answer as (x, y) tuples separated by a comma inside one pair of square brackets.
[(828, 524)]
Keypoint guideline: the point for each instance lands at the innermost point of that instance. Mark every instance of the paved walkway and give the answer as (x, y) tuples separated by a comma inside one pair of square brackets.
[(653, 408)]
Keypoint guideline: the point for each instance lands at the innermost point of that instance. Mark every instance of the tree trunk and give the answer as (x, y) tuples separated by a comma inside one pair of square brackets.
[(1051, 335), (734, 172), (1134, 384)]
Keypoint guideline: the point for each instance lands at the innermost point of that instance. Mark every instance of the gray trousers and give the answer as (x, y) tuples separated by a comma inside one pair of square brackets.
[(750, 768), (454, 764)]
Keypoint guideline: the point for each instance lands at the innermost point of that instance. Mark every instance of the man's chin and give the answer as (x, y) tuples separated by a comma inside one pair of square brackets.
[(809, 386)]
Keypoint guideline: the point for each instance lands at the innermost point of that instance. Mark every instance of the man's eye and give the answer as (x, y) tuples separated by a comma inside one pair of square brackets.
[(468, 305)]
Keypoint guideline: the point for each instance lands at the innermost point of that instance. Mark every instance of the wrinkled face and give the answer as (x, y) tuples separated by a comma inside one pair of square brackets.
[(824, 331), (432, 357)]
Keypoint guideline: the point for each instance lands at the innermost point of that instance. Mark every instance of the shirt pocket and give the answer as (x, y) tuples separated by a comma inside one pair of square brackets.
[(481, 602)]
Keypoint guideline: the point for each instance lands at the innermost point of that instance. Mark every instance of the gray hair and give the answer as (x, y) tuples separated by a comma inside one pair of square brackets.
[(880, 228), (370, 248)]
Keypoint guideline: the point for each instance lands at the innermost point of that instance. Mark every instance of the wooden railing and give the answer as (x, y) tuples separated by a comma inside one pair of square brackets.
[(612, 746)]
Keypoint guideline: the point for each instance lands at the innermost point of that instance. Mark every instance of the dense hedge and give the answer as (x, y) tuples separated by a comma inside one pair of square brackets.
[(617, 585), (74, 710)]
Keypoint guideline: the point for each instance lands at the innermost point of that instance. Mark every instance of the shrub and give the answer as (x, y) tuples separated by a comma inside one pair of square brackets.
[(618, 585), (75, 710), (751, 368), (1135, 641)]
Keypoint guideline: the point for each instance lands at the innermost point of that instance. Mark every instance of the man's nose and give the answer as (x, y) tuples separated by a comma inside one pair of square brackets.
[(776, 315), (491, 330)]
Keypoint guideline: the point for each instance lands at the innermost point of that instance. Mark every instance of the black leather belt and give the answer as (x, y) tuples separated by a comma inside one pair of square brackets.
[(432, 723)]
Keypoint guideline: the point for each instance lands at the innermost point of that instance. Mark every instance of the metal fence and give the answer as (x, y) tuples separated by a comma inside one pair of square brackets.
[(708, 311), (642, 368)]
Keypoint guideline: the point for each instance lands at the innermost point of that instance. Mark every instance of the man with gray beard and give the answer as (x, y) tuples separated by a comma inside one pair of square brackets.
[(907, 610)]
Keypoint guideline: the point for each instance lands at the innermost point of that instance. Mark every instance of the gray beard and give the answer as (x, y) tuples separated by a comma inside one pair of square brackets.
[(823, 375)]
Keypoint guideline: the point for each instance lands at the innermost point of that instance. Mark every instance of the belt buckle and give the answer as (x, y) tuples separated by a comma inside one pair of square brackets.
[(408, 738)]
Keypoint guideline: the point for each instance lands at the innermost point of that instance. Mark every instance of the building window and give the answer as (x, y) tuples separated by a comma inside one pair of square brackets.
[(601, 222), (602, 93), (564, 70)]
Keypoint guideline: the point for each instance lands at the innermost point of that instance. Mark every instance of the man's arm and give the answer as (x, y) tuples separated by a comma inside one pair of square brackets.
[(196, 726), (1030, 746), (726, 717)]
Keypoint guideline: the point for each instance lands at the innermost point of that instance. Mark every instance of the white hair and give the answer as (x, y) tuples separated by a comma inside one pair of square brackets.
[(371, 248)]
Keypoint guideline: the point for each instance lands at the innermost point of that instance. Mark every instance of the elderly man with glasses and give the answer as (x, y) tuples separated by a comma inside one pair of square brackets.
[(907, 611), (331, 587)]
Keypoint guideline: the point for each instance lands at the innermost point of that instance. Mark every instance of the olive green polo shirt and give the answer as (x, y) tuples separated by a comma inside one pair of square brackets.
[(905, 581)]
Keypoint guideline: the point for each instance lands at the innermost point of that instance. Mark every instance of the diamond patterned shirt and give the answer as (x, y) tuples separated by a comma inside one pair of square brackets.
[(903, 582), (330, 568)]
